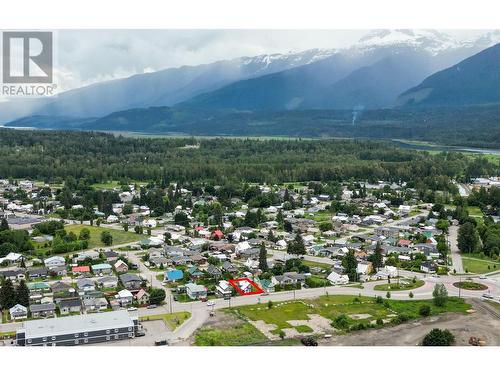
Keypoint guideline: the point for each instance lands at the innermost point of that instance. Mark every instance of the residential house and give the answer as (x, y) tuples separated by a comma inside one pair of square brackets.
[(85, 285), (38, 272), (14, 275), (18, 312), (142, 297), (337, 278), (131, 281), (43, 310), (229, 267), (58, 271), (173, 275), (80, 270), (102, 269), (195, 291), (194, 273), (91, 254), (55, 261), (214, 271), (124, 297), (224, 289), (108, 282), (111, 256), (159, 262), (267, 286), (60, 287), (95, 304), (428, 267), (70, 306), (120, 266), (364, 267), (288, 278)]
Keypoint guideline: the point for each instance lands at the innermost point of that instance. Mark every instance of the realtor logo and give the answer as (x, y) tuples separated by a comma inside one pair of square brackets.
[(27, 57)]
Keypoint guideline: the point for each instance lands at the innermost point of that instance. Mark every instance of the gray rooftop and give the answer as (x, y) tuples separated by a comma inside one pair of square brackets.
[(77, 324)]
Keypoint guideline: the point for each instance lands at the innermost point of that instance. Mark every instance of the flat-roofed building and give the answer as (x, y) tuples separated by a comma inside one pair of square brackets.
[(78, 329)]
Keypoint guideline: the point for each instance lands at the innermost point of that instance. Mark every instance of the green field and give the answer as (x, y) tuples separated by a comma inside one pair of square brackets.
[(470, 285), (119, 236), (239, 335), (474, 264), (331, 307), (394, 286), (173, 320)]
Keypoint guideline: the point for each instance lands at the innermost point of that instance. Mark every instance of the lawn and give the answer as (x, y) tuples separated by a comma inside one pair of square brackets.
[(310, 263), (474, 264), (470, 285), (402, 286), (331, 307), (239, 335), (119, 236), (173, 320), (474, 211)]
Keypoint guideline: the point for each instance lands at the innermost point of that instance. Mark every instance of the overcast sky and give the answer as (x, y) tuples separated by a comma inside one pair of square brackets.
[(89, 56)]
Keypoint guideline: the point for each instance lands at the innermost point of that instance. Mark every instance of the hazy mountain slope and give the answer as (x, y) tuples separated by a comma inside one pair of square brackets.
[(165, 87), (475, 80)]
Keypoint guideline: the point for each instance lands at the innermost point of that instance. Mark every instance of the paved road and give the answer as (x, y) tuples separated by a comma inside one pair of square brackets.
[(456, 259)]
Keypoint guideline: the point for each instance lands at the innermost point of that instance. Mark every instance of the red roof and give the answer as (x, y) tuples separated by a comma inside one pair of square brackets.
[(218, 233), (199, 228), (80, 269), (404, 242)]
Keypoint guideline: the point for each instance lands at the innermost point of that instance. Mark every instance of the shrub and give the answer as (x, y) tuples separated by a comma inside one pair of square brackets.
[(380, 322), (379, 299), (341, 322), (437, 337), (410, 294), (424, 310)]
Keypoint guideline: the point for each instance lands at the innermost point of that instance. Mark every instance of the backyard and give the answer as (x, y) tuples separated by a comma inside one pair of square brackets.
[(173, 320)]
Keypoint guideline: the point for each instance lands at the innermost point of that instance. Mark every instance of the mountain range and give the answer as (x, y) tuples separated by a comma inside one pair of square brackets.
[(398, 69)]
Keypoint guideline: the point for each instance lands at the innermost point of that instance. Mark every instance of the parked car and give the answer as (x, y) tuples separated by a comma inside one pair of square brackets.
[(210, 303), (152, 306), (132, 309), (161, 342)]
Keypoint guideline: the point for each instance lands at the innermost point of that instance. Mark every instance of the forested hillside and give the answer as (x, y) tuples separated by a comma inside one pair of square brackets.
[(98, 157)]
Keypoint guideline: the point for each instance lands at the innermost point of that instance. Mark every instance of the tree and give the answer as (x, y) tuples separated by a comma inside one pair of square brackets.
[(350, 265), (125, 227), (296, 246), (263, 258), (377, 258), (443, 225), (440, 295), (106, 238), (84, 234), (437, 337), (156, 296), (7, 294), (468, 238), (4, 225), (23, 294)]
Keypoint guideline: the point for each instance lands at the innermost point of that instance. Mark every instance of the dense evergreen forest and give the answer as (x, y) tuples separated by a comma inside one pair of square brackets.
[(54, 156)]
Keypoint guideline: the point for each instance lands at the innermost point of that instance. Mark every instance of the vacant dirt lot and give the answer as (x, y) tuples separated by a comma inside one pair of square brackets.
[(479, 324)]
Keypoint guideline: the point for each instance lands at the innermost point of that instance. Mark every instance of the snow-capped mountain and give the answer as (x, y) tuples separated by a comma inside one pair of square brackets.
[(431, 41)]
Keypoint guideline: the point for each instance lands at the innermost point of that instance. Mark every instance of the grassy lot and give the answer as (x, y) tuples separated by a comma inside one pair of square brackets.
[(316, 264), (119, 236), (331, 307), (474, 264), (172, 320), (474, 211), (394, 285), (239, 335)]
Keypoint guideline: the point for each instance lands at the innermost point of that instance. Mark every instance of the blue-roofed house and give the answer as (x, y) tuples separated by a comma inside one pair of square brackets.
[(174, 275)]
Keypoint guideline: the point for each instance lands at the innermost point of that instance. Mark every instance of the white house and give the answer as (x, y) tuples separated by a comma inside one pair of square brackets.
[(55, 261), (336, 278), (18, 312), (112, 219), (124, 297)]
